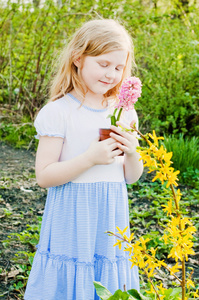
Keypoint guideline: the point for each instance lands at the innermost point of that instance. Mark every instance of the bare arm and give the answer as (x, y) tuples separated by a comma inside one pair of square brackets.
[(127, 142), (50, 172)]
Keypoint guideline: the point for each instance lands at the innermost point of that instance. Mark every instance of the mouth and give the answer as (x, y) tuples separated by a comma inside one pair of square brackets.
[(104, 82)]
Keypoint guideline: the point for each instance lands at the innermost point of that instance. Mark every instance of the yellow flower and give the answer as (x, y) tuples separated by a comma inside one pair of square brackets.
[(144, 241), (167, 157), (190, 283), (129, 249), (122, 231), (172, 178), (178, 196), (155, 138), (151, 291), (175, 268), (131, 237), (119, 244), (196, 294), (168, 208), (160, 175)]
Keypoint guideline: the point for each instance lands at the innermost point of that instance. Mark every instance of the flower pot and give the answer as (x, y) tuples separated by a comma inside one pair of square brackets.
[(104, 134)]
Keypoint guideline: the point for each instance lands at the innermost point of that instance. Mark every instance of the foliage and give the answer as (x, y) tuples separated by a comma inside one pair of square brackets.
[(178, 229), (20, 134), (185, 153), (104, 294), (166, 52), (23, 259)]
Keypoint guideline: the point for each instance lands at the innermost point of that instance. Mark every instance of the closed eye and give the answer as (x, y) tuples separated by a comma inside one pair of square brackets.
[(103, 65), (119, 68)]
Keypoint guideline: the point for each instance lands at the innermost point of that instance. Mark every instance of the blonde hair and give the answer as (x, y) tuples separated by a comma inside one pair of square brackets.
[(94, 38)]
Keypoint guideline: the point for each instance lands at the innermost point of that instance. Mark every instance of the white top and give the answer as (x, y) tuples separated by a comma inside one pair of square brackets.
[(79, 125)]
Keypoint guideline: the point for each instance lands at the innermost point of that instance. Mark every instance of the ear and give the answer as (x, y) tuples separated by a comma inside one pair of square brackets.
[(77, 62)]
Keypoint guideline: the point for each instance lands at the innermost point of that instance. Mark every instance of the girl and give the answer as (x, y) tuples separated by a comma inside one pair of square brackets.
[(86, 177)]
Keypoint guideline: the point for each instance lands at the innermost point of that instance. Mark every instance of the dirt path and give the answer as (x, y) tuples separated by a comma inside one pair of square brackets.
[(21, 202)]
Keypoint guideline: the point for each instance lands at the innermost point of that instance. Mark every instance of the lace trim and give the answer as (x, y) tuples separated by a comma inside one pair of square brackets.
[(97, 259)]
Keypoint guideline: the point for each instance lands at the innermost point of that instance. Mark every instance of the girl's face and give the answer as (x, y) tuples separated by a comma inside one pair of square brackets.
[(103, 72)]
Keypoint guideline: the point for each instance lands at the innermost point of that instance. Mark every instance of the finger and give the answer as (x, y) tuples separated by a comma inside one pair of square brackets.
[(118, 123), (118, 130), (113, 146), (119, 138), (117, 152), (133, 124), (108, 141), (123, 148)]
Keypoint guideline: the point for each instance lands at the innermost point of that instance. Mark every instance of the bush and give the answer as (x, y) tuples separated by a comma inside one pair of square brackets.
[(166, 53)]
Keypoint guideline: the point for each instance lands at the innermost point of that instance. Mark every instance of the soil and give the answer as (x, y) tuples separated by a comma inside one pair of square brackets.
[(21, 203)]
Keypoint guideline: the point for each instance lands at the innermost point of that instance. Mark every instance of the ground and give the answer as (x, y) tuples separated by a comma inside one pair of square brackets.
[(21, 203)]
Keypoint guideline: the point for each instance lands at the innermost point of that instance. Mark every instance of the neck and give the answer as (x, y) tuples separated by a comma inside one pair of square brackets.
[(92, 100)]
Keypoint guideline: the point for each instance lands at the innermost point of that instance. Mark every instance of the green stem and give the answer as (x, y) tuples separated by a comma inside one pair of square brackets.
[(119, 114), (152, 284), (114, 112), (113, 120)]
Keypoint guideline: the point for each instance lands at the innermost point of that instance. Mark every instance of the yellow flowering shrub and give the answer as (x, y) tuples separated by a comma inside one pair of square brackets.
[(178, 232)]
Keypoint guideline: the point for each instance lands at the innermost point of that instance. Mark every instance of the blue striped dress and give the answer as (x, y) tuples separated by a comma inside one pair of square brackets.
[(74, 249)]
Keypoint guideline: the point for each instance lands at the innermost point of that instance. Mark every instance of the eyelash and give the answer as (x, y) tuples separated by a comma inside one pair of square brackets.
[(104, 66)]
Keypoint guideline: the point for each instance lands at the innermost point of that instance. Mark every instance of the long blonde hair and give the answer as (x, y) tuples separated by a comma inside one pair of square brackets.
[(94, 38)]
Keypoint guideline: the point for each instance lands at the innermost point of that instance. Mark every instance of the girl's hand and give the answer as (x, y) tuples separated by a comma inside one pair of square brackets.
[(127, 140), (103, 152)]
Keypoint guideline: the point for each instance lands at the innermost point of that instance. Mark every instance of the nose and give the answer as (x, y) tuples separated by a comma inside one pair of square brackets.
[(110, 74)]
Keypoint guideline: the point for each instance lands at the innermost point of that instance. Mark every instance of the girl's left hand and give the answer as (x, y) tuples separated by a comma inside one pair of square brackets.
[(127, 140)]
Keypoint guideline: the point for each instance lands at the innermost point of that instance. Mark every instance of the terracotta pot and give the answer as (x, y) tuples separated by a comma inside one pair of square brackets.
[(104, 134)]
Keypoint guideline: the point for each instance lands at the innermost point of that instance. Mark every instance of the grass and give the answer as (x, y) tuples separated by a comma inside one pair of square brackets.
[(185, 154)]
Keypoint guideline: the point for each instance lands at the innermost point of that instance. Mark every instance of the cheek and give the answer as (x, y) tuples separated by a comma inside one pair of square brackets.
[(118, 77)]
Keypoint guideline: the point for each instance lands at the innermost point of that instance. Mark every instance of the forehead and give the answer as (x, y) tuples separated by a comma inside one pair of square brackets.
[(115, 57)]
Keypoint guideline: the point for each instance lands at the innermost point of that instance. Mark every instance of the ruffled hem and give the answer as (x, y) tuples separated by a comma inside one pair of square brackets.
[(48, 134), (58, 277), (96, 258)]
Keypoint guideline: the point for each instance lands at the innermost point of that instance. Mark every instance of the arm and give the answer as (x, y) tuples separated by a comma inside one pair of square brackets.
[(127, 142), (51, 172)]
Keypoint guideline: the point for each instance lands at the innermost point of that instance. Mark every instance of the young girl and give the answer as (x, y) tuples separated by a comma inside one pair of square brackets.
[(86, 177)]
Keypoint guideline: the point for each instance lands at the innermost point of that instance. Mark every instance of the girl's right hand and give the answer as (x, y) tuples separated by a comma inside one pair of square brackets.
[(103, 152)]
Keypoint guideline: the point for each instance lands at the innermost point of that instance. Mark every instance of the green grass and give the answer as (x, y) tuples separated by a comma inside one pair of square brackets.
[(185, 154)]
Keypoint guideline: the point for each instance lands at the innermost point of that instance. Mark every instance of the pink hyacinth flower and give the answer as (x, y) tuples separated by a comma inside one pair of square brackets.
[(129, 93)]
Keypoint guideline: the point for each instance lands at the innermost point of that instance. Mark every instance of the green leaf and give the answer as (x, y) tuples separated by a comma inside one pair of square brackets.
[(137, 295), (102, 292), (172, 293), (119, 295), (109, 116)]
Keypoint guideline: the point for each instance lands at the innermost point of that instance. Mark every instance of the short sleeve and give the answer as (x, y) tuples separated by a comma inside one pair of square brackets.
[(50, 121), (129, 116)]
